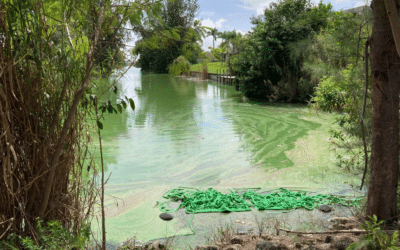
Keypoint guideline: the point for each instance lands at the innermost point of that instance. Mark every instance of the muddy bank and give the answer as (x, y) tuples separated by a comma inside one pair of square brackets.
[(248, 222)]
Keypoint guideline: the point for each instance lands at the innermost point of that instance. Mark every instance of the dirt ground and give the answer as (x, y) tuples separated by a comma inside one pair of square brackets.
[(249, 241), (227, 239)]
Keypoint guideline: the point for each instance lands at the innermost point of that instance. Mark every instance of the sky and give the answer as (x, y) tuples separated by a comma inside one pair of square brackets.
[(227, 15)]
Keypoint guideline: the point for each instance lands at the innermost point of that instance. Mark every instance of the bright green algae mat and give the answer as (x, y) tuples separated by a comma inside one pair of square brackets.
[(202, 135), (211, 200)]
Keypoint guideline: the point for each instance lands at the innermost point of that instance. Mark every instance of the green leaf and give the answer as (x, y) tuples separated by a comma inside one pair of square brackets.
[(132, 103), (110, 109), (114, 89), (123, 104), (99, 125), (119, 107)]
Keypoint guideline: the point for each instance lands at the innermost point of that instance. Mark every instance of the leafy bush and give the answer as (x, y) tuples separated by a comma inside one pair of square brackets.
[(329, 95), (179, 66), (376, 238), (53, 236)]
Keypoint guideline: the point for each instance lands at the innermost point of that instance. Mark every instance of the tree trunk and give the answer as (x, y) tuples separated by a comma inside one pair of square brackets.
[(385, 78)]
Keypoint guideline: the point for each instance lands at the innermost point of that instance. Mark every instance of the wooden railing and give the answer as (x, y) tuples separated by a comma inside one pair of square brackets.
[(221, 77)]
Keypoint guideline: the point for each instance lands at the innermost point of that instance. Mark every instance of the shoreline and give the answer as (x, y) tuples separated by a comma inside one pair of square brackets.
[(194, 79)]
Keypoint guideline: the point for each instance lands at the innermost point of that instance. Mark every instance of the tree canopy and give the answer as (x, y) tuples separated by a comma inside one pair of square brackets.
[(266, 68), (177, 21)]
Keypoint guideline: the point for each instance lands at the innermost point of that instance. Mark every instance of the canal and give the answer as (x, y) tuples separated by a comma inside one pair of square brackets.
[(201, 135)]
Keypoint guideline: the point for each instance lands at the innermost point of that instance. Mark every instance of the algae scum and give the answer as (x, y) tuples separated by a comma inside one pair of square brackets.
[(201, 135)]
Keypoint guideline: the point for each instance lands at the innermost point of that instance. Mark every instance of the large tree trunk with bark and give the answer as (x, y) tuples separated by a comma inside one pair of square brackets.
[(385, 77)]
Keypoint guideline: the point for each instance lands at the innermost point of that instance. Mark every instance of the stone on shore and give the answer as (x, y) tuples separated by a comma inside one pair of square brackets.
[(166, 216), (325, 208)]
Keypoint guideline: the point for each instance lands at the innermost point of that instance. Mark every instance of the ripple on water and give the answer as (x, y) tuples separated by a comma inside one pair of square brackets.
[(204, 135)]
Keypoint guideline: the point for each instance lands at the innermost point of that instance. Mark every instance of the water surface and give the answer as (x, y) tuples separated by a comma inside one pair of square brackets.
[(200, 135)]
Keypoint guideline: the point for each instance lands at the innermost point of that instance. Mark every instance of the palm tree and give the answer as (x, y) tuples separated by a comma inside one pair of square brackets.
[(231, 40), (199, 29), (214, 33), (231, 43)]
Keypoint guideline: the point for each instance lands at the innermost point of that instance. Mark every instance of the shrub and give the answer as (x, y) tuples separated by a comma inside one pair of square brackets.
[(52, 236), (179, 66), (376, 238), (329, 95)]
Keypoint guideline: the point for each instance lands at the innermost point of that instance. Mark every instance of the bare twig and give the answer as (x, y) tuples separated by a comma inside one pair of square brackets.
[(69, 35)]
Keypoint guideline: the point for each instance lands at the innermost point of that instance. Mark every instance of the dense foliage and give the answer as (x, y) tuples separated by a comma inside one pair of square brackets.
[(337, 54), (266, 67), (56, 54), (179, 66), (177, 18)]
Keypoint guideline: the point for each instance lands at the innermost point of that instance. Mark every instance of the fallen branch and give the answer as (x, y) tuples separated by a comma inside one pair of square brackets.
[(332, 232)]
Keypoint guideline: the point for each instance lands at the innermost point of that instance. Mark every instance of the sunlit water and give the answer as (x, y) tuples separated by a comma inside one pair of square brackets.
[(203, 134)]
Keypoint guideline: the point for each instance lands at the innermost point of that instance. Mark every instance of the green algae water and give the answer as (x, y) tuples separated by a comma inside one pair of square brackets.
[(200, 135)]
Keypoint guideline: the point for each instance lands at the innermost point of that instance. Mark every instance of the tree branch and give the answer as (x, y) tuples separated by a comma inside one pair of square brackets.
[(68, 121), (69, 36)]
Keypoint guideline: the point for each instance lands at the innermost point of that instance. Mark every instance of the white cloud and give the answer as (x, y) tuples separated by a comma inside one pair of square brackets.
[(209, 23), (261, 7), (218, 24)]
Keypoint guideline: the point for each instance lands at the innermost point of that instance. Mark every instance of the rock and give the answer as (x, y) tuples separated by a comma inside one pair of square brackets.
[(266, 245), (340, 220), (236, 240), (147, 245), (131, 243), (328, 239), (342, 223), (206, 248), (312, 248), (233, 247), (158, 245), (325, 246), (325, 208), (266, 236), (166, 216), (342, 243)]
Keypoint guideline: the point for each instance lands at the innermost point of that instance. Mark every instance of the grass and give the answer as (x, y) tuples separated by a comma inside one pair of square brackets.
[(213, 67)]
